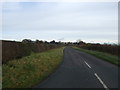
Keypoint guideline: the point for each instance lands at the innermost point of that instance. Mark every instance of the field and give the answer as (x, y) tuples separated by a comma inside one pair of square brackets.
[(31, 70)]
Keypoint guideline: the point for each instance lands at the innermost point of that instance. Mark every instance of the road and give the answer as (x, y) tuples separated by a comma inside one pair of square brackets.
[(81, 70)]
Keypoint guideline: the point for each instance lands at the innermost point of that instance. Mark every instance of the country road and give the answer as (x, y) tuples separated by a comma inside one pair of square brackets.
[(81, 70)]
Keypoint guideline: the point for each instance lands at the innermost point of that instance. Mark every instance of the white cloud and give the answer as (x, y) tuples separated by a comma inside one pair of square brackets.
[(56, 20), (10, 6)]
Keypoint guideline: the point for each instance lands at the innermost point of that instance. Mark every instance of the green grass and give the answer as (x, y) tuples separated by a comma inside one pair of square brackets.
[(0, 76), (102, 55), (31, 70)]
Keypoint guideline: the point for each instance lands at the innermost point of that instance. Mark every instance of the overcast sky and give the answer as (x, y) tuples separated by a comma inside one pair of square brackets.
[(88, 21)]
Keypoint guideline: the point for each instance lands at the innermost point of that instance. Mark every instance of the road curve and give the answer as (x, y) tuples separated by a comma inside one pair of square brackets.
[(81, 70)]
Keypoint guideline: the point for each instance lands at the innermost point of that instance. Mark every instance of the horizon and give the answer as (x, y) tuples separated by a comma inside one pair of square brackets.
[(63, 41)]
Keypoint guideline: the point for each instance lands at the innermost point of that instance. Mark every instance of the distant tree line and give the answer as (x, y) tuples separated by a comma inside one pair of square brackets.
[(14, 49), (108, 48)]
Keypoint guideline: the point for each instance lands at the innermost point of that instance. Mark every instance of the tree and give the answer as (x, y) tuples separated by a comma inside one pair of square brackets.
[(26, 41), (52, 42), (37, 41), (80, 42)]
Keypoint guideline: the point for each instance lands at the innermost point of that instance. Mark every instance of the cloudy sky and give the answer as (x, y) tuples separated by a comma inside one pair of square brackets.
[(64, 21)]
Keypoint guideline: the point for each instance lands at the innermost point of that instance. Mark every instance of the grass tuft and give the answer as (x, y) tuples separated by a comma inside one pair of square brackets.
[(31, 70)]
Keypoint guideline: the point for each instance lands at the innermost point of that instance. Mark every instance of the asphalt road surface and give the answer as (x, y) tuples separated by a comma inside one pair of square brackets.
[(81, 70)]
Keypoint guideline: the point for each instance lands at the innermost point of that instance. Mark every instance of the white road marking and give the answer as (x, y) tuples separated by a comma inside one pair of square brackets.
[(101, 82), (87, 64)]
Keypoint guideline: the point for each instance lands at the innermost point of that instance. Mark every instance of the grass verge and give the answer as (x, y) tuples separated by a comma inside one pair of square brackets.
[(31, 70), (102, 55)]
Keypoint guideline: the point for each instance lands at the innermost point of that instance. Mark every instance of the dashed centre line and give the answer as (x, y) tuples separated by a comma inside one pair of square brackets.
[(101, 81), (98, 77), (87, 64)]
